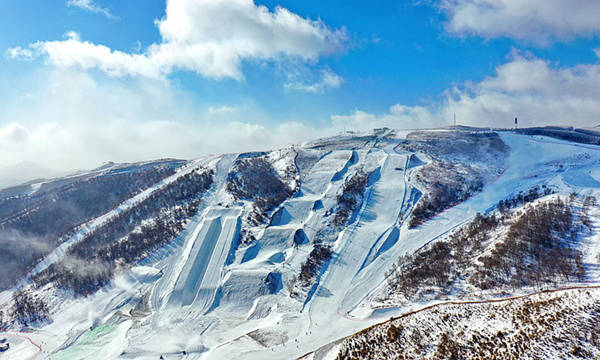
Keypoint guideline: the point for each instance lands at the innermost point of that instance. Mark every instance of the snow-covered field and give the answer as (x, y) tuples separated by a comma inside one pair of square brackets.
[(206, 297)]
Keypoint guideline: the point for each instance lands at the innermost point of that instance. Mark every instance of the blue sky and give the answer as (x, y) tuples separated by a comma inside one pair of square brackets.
[(86, 81)]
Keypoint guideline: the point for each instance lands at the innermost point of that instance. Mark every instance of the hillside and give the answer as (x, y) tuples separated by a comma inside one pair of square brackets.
[(560, 324), (277, 254)]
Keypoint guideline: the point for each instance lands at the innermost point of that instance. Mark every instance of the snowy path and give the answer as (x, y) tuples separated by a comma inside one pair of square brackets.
[(377, 219), (522, 173), (327, 170), (337, 291), (22, 346)]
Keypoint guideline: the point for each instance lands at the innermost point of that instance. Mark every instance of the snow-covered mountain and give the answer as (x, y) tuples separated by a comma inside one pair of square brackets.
[(291, 252)]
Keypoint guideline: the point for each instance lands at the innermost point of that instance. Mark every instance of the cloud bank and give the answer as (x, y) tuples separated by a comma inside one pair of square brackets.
[(209, 37), (529, 88), (72, 119), (327, 80), (539, 21), (91, 6)]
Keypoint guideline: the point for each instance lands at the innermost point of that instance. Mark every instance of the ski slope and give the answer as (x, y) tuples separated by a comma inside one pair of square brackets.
[(215, 299), (201, 275)]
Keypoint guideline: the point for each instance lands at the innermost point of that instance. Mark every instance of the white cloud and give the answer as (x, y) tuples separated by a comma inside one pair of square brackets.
[(539, 21), (222, 110), (535, 91), (327, 80), (209, 37), (398, 117), (85, 55), (13, 133), (72, 35), (90, 5), (19, 53), (71, 119)]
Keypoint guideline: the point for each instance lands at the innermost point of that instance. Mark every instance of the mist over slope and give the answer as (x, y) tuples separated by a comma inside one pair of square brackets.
[(23, 172), (276, 254)]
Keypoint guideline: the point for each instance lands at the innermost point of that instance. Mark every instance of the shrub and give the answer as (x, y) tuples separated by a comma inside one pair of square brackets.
[(350, 198), (255, 179), (539, 246), (28, 309), (537, 249), (320, 255), (429, 267), (448, 185)]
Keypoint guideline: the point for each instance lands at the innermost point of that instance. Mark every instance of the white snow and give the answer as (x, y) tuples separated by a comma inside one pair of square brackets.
[(209, 298)]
